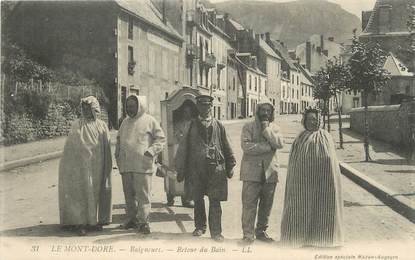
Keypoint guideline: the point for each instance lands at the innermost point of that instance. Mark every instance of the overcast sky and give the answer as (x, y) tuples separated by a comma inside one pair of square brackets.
[(353, 6)]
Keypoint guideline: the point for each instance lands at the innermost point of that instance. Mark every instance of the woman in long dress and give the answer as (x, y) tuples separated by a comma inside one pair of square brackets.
[(313, 206), (85, 172)]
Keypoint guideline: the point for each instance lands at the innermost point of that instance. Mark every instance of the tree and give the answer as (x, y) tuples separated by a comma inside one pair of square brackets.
[(338, 75), (367, 76)]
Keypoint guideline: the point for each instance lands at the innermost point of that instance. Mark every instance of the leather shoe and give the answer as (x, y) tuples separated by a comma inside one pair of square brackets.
[(218, 238), (129, 225), (263, 236), (198, 232), (145, 229), (82, 231), (246, 241)]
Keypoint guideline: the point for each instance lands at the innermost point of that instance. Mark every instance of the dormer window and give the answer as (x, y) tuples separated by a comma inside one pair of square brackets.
[(384, 18)]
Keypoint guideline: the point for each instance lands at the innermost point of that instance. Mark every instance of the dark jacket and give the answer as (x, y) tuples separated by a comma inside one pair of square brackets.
[(206, 158)]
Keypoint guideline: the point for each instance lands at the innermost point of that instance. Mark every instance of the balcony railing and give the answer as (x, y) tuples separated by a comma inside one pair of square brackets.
[(210, 60), (192, 51), (191, 17), (221, 63)]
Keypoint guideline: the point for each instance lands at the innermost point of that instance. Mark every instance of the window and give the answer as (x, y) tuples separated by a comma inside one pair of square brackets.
[(298, 80), (218, 78), (130, 54), (207, 78), (256, 83), (260, 85), (355, 102), (292, 79), (131, 62), (233, 83), (130, 27), (250, 82)]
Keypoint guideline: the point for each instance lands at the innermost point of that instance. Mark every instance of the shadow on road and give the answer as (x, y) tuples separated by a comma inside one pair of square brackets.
[(401, 171), (393, 162), (348, 204), (55, 230)]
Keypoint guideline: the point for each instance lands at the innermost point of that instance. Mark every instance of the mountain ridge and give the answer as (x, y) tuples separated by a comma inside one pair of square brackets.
[(293, 22)]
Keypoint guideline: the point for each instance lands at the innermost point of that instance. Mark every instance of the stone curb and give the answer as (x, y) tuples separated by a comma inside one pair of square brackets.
[(398, 203), (26, 161)]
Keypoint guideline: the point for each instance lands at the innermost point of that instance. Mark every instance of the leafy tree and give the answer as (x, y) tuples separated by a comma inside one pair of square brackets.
[(367, 76), (338, 75)]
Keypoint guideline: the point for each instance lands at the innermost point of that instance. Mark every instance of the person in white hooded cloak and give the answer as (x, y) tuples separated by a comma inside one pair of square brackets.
[(85, 172)]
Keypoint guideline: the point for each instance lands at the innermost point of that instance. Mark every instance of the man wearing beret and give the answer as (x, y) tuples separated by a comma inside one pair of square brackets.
[(206, 158)]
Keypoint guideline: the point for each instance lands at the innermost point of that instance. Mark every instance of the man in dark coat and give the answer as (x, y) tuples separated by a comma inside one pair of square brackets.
[(205, 157)]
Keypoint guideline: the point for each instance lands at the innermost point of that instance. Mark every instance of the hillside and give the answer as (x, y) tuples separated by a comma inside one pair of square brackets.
[(293, 22)]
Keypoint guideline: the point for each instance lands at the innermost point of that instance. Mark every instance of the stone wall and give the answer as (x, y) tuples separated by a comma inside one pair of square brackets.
[(391, 124)]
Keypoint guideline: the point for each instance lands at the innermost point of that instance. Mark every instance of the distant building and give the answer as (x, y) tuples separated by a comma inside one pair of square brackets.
[(234, 92), (401, 85), (391, 24), (307, 85)]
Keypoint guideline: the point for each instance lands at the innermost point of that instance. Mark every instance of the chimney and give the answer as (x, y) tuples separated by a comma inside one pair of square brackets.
[(164, 11), (308, 55), (226, 16), (257, 38), (251, 33), (322, 42), (267, 36)]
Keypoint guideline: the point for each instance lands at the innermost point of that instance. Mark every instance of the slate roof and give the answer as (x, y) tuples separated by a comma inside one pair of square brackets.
[(268, 50), (400, 12), (146, 11), (237, 25), (396, 67), (283, 52)]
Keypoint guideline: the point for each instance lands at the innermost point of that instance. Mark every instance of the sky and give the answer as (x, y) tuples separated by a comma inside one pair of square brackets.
[(353, 6)]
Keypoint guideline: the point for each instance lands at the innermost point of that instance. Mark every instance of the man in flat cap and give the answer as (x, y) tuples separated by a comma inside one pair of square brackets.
[(205, 157)]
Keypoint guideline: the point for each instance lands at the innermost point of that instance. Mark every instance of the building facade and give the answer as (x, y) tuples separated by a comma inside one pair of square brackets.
[(118, 44)]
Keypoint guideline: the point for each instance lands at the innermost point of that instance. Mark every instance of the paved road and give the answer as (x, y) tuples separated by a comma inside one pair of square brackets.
[(29, 197)]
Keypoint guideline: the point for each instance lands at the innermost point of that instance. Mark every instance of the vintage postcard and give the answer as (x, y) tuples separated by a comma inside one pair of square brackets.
[(207, 129)]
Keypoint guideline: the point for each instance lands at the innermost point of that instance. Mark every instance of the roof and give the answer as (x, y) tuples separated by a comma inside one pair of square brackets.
[(283, 52), (146, 11), (396, 67), (307, 75), (256, 70), (268, 50), (399, 14), (237, 26)]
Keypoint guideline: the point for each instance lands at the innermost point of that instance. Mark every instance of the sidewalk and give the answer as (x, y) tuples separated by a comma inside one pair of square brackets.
[(389, 166), (23, 154)]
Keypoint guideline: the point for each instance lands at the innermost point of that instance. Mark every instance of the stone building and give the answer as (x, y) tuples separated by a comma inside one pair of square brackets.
[(119, 44), (391, 24)]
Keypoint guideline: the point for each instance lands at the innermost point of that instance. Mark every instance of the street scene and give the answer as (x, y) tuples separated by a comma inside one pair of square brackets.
[(207, 129), (368, 221)]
